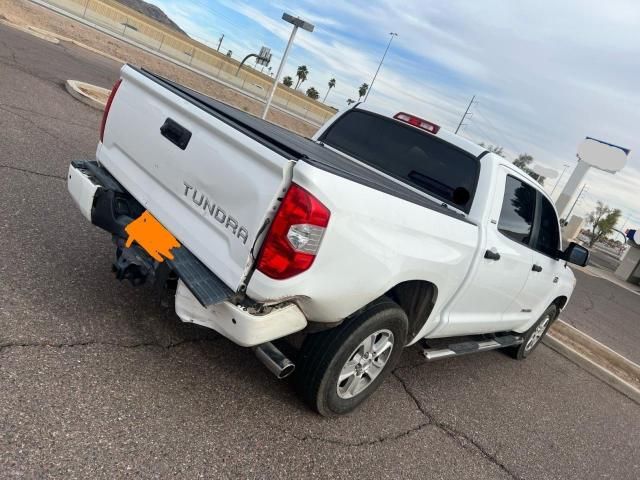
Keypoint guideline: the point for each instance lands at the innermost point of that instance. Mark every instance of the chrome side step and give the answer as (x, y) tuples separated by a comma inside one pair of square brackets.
[(464, 348)]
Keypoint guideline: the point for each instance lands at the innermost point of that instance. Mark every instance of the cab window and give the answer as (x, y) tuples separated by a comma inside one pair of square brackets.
[(547, 232), (518, 210)]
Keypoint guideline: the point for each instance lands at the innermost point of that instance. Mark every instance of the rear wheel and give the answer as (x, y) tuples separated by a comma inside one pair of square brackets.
[(534, 335), (340, 368)]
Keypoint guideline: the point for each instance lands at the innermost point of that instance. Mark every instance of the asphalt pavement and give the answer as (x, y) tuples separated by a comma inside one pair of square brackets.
[(606, 312), (99, 381)]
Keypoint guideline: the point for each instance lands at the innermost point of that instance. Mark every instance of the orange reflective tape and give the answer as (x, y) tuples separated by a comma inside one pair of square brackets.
[(149, 233)]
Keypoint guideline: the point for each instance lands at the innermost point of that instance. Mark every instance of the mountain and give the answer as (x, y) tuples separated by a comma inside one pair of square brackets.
[(153, 12)]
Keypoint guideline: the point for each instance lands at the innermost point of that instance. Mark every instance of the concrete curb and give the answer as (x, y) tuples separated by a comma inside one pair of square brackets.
[(596, 358), (56, 38), (88, 94), (36, 32), (95, 50)]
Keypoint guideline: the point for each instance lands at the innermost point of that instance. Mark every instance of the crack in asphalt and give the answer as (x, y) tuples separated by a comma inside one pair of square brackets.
[(591, 305), (347, 443), (21, 68), (10, 345), (10, 50), (459, 437), (52, 117), (38, 127), (26, 170)]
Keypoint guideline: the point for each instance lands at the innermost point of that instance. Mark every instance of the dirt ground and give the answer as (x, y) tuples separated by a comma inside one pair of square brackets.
[(23, 12)]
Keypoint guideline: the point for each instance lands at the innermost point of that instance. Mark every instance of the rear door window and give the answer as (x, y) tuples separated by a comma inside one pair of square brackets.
[(418, 158), (548, 231), (518, 209)]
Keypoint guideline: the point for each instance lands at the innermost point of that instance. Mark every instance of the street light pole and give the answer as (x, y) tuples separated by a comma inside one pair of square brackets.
[(297, 23), (566, 219), (393, 34), (558, 181)]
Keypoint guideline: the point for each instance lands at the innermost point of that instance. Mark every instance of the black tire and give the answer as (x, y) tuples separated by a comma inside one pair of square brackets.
[(525, 349), (323, 355)]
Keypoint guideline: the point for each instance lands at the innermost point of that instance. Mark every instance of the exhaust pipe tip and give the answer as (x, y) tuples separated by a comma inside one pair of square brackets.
[(275, 361), (286, 371)]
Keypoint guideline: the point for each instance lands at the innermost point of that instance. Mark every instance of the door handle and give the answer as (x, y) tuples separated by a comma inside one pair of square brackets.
[(536, 268), (492, 255)]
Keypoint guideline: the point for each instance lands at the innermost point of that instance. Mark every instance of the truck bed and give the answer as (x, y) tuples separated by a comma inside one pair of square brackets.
[(296, 147)]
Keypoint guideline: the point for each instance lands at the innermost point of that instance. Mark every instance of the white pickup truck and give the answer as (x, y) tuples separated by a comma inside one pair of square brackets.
[(376, 234)]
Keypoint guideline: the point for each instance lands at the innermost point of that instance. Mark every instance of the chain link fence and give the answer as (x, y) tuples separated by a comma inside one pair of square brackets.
[(155, 36)]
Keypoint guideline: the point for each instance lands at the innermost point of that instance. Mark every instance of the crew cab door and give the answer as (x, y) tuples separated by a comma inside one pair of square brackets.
[(492, 300), (546, 269)]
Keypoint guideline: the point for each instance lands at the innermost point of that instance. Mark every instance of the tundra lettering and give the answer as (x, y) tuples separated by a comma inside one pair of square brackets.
[(216, 212)]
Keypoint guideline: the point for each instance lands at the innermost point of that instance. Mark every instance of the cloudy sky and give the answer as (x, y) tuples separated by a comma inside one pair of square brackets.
[(545, 73)]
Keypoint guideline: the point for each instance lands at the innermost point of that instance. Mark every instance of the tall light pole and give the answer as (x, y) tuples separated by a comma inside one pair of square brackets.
[(393, 34), (297, 22), (558, 181), (566, 219)]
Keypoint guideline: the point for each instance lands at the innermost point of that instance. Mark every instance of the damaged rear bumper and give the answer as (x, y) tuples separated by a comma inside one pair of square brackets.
[(201, 296)]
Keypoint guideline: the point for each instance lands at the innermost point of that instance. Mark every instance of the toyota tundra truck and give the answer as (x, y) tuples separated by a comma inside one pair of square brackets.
[(378, 233)]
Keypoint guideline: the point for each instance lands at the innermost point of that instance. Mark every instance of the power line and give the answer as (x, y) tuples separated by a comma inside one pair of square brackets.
[(500, 131), (486, 136)]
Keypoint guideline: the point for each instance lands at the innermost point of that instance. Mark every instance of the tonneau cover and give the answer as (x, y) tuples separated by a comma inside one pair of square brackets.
[(297, 147)]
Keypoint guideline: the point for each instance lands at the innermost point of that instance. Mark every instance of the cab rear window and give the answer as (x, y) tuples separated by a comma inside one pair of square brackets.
[(408, 154)]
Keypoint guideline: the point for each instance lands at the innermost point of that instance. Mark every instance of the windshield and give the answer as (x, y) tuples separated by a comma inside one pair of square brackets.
[(408, 154)]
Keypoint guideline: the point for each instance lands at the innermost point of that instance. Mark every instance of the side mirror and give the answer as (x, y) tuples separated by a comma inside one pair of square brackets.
[(576, 254)]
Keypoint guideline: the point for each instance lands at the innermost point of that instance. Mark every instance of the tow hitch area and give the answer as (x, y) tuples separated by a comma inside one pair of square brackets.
[(132, 263), (142, 243)]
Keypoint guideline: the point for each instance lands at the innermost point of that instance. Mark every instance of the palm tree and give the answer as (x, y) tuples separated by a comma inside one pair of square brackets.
[(349, 101), (362, 91), (313, 93), (302, 74), (332, 83), (287, 81)]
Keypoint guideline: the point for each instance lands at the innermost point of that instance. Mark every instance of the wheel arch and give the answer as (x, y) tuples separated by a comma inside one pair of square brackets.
[(560, 302), (417, 298)]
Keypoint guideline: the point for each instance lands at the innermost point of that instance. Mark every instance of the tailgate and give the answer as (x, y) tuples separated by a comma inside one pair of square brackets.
[(209, 184)]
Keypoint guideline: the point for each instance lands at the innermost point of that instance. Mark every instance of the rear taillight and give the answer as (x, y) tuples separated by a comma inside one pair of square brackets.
[(295, 235), (107, 107), (417, 122)]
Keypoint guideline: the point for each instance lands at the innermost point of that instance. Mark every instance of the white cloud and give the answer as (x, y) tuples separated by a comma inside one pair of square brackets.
[(546, 73)]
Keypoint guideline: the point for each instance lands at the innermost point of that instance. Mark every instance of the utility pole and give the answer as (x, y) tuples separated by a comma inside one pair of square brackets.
[(393, 34), (566, 219), (220, 42), (558, 181), (466, 113), (297, 22)]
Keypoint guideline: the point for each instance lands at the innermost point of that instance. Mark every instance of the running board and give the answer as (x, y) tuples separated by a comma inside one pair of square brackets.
[(464, 348)]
